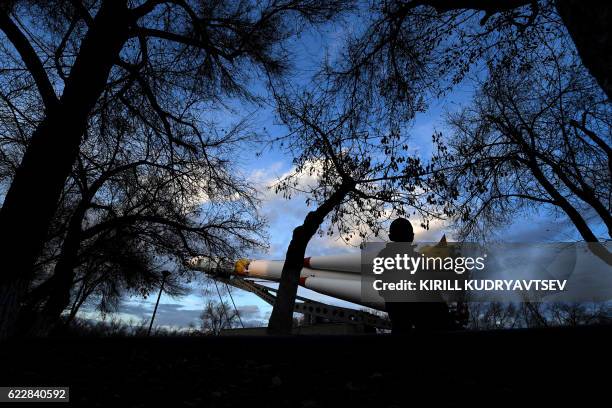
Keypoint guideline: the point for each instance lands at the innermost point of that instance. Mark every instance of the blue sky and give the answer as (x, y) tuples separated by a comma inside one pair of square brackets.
[(284, 215)]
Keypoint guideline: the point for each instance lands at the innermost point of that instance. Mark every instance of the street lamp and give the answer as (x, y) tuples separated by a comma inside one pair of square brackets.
[(165, 274)]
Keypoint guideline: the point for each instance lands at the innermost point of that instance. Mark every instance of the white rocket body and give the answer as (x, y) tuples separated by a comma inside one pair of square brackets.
[(336, 276)]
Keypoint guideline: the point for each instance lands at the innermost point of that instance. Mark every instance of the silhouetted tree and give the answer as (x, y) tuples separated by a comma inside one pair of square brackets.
[(130, 189), (579, 313), (536, 136), (493, 315), (406, 53), (161, 59), (190, 206), (361, 174), (118, 268), (217, 316), (508, 315), (132, 204)]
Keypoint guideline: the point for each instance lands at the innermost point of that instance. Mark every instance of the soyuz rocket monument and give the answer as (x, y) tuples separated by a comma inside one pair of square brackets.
[(338, 276), (579, 275)]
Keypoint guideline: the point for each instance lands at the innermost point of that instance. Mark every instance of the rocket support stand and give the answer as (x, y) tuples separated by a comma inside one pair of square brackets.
[(313, 311)]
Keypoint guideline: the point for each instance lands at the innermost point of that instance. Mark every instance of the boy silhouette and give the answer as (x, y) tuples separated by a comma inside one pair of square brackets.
[(427, 310)]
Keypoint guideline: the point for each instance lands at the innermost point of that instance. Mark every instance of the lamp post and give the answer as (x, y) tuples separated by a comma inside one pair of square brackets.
[(165, 274)]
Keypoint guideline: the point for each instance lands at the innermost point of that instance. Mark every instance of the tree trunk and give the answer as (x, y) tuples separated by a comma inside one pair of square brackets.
[(574, 215), (54, 293), (281, 320), (588, 23), (32, 198), (63, 276)]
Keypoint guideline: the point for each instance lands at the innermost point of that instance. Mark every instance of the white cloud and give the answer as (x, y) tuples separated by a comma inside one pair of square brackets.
[(283, 215)]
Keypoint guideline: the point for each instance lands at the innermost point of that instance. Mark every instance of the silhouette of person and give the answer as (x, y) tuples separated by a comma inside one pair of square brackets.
[(427, 310)]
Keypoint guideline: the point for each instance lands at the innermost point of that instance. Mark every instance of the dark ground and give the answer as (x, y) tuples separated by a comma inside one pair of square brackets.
[(452, 369)]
